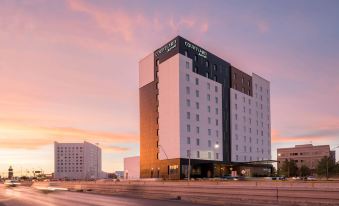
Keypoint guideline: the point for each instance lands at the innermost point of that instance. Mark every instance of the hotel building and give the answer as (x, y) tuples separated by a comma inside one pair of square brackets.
[(77, 161), (196, 107)]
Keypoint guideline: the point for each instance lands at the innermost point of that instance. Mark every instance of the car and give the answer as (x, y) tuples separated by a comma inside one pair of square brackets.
[(295, 178), (12, 183), (311, 178)]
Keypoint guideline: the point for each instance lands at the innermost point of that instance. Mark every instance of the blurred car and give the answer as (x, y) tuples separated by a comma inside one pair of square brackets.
[(295, 178), (311, 178), (11, 183)]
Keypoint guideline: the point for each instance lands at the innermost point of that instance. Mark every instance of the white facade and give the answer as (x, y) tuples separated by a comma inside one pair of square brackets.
[(251, 123), (190, 112), (132, 168), (146, 72), (77, 161)]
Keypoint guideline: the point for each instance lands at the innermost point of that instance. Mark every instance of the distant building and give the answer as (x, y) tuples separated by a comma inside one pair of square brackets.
[(306, 154), (10, 172), (132, 167), (77, 161)]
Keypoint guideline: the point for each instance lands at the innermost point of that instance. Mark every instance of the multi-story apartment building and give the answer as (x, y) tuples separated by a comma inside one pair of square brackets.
[(77, 161), (306, 154), (196, 107)]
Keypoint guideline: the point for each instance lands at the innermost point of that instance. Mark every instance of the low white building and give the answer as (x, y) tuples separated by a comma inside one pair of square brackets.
[(132, 167), (77, 161)]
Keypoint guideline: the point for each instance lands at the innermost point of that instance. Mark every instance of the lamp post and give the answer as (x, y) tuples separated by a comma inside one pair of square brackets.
[(216, 146), (327, 159), (189, 166)]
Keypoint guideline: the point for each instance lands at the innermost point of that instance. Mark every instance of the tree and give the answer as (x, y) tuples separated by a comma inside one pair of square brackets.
[(289, 168), (305, 171), (326, 167)]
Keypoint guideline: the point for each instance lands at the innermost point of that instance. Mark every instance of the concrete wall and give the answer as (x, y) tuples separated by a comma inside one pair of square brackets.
[(132, 167), (146, 70)]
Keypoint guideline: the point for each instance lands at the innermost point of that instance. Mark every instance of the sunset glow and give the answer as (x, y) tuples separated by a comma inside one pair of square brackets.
[(69, 69)]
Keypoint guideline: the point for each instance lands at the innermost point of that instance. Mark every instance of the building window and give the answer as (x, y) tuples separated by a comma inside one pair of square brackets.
[(217, 133), (216, 111), (216, 89), (186, 53), (217, 156), (197, 93), (235, 96), (216, 100), (209, 131), (209, 155), (196, 69), (188, 140), (198, 130), (214, 67), (209, 143), (196, 81), (207, 64), (216, 122), (195, 58), (197, 117), (236, 147), (187, 90), (237, 157), (197, 105), (209, 108), (188, 153), (187, 77), (198, 141), (208, 97), (207, 75), (188, 114), (215, 78), (198, 154), (236, 116), (236, 106), (187, 65), (188, 102), (208, 86), (209, 120), (188, 128)]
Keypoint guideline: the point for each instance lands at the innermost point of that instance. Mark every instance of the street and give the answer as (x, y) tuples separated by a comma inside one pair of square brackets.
[(27, 196)]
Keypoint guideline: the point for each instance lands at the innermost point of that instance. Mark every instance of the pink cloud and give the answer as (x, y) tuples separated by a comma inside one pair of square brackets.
[(34, 137), (263, 26)]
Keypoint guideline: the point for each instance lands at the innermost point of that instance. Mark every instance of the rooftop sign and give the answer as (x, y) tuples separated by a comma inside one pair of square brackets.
[(167, 48), (201, 52)]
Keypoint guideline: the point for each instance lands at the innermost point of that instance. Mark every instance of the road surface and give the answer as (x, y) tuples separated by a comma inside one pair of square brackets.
[(27, 196)]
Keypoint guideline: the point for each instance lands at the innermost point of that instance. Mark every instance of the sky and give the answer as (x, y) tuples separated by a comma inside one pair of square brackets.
[(69, 69)]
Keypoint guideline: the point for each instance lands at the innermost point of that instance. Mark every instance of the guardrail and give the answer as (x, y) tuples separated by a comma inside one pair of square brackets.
[(218, 193)]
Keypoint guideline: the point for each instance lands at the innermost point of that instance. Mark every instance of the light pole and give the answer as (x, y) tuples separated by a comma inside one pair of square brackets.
[(189, 166), (327, 159), (216, 146)]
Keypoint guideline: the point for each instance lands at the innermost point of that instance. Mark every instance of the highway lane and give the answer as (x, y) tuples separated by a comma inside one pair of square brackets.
[(27, 196)]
